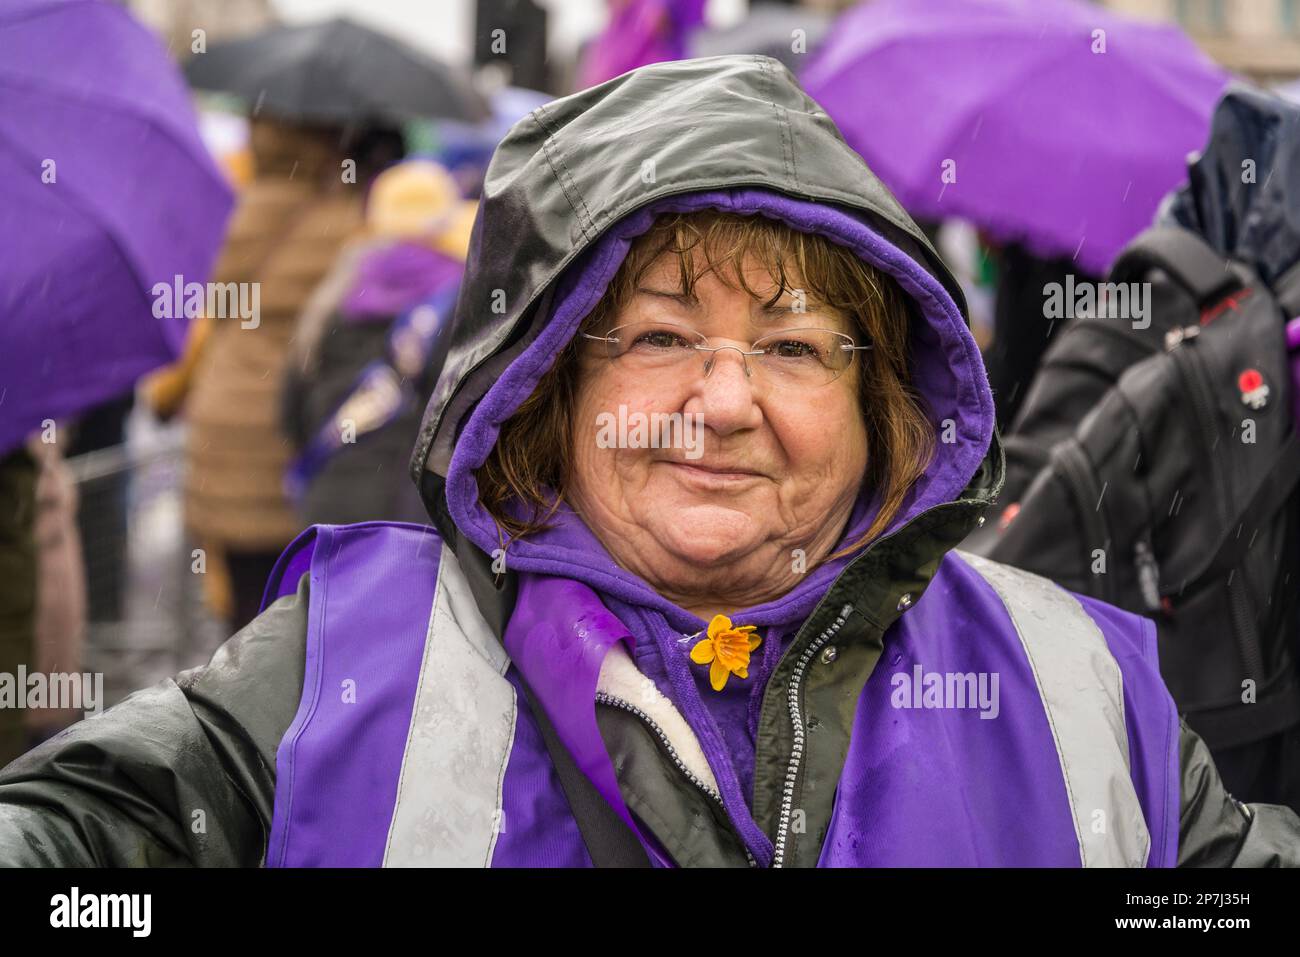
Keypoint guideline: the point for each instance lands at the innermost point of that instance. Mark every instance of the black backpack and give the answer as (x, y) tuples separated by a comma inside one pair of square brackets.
[(1152, 466)]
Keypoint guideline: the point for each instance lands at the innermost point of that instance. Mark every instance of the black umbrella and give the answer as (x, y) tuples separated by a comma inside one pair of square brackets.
[(335, 71)]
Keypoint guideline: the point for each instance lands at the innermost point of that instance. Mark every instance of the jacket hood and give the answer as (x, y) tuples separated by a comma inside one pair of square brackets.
[(1243, 190), (567, 191)]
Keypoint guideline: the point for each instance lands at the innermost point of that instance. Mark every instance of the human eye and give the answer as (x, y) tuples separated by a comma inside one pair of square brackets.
[(658, 339), (794, 347)]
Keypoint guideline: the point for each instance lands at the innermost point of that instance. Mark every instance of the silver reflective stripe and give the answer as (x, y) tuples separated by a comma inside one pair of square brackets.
[(449, 811), (1082, 691)]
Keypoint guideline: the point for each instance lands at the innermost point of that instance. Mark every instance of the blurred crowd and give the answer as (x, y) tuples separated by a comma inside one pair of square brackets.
[(353, 224)]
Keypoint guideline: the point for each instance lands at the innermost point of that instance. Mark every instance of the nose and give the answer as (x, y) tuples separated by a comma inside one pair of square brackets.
[(712, 360), (725, 393)]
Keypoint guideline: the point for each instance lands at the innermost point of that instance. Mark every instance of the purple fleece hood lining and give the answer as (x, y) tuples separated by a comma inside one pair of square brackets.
[(947, 369)]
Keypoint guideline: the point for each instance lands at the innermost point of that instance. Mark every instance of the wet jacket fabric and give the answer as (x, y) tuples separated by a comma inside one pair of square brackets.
[(372, 715), (1035, 769)]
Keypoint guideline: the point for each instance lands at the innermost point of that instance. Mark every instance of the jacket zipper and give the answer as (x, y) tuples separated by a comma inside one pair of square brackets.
[(603, 697), (1190, 366), (796, 719), (1251, 650)]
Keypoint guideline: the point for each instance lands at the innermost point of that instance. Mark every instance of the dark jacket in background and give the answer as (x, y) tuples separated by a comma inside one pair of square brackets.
[(1021, 331), (366, 480)]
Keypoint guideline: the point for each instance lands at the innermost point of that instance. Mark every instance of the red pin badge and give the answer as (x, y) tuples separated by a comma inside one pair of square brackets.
[(1254, 391)]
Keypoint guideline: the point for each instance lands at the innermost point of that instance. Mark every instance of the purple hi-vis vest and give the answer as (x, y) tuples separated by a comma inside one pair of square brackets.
[(1056, 745)]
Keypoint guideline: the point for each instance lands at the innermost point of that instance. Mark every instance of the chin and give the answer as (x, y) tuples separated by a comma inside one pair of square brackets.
[(709, 535)]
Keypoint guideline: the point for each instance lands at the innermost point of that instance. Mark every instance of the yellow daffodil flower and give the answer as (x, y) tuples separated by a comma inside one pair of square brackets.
[(726, 650)]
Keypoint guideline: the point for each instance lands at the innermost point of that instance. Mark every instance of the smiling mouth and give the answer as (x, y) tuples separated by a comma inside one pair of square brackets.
[(712, 475)]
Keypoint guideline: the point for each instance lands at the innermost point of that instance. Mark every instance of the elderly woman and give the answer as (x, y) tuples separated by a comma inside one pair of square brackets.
[(708, 428)]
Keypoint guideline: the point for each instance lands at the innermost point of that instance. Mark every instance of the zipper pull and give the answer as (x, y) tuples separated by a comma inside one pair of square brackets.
[(1148, 573), (1180, 334)]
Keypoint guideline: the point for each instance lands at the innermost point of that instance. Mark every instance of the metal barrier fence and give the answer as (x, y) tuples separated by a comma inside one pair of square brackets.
[(146, 617)]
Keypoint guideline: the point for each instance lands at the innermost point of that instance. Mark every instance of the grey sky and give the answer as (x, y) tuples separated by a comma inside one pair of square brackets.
[(445, 27)]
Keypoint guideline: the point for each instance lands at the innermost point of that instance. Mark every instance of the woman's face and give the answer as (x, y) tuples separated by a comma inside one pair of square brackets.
[(732, 515)]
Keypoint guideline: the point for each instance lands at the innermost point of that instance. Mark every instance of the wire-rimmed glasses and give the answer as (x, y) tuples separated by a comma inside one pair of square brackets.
[(797, 357)]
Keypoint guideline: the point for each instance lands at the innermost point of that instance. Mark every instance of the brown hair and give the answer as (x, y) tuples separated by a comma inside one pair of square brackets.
[(531, 458)]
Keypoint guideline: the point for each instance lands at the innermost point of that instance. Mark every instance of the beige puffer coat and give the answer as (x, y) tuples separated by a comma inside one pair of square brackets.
[(291, 223)]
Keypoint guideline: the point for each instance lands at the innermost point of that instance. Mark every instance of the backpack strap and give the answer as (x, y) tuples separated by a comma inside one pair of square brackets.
[(1185, 256), (610, 842), (1286, 288), (1272, 494)]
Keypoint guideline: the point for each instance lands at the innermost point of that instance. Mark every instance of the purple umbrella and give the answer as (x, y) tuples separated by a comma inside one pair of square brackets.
[(639, 32), (1053, 123), (106, 190)]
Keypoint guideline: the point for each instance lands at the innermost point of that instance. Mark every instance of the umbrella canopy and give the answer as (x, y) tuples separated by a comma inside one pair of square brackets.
[(769, 29), (335, 71), (106, 189), (1052, 123), (639, 32)]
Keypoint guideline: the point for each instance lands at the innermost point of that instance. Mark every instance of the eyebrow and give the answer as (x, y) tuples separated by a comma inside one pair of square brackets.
[(688, 300), (692, 300), (782, 311), (768, 313)]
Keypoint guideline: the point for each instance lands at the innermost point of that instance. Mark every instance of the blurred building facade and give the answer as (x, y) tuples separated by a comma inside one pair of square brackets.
[(176, 20), (1258, 38)]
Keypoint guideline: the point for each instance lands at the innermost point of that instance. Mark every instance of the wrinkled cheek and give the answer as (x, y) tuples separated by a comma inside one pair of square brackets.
[(826, 447), (826, 479), (585, 428), (592, 465), (609, 444), (602, 470)]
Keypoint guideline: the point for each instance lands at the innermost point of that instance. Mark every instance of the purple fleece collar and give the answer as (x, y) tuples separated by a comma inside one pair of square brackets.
[(946, 367)]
